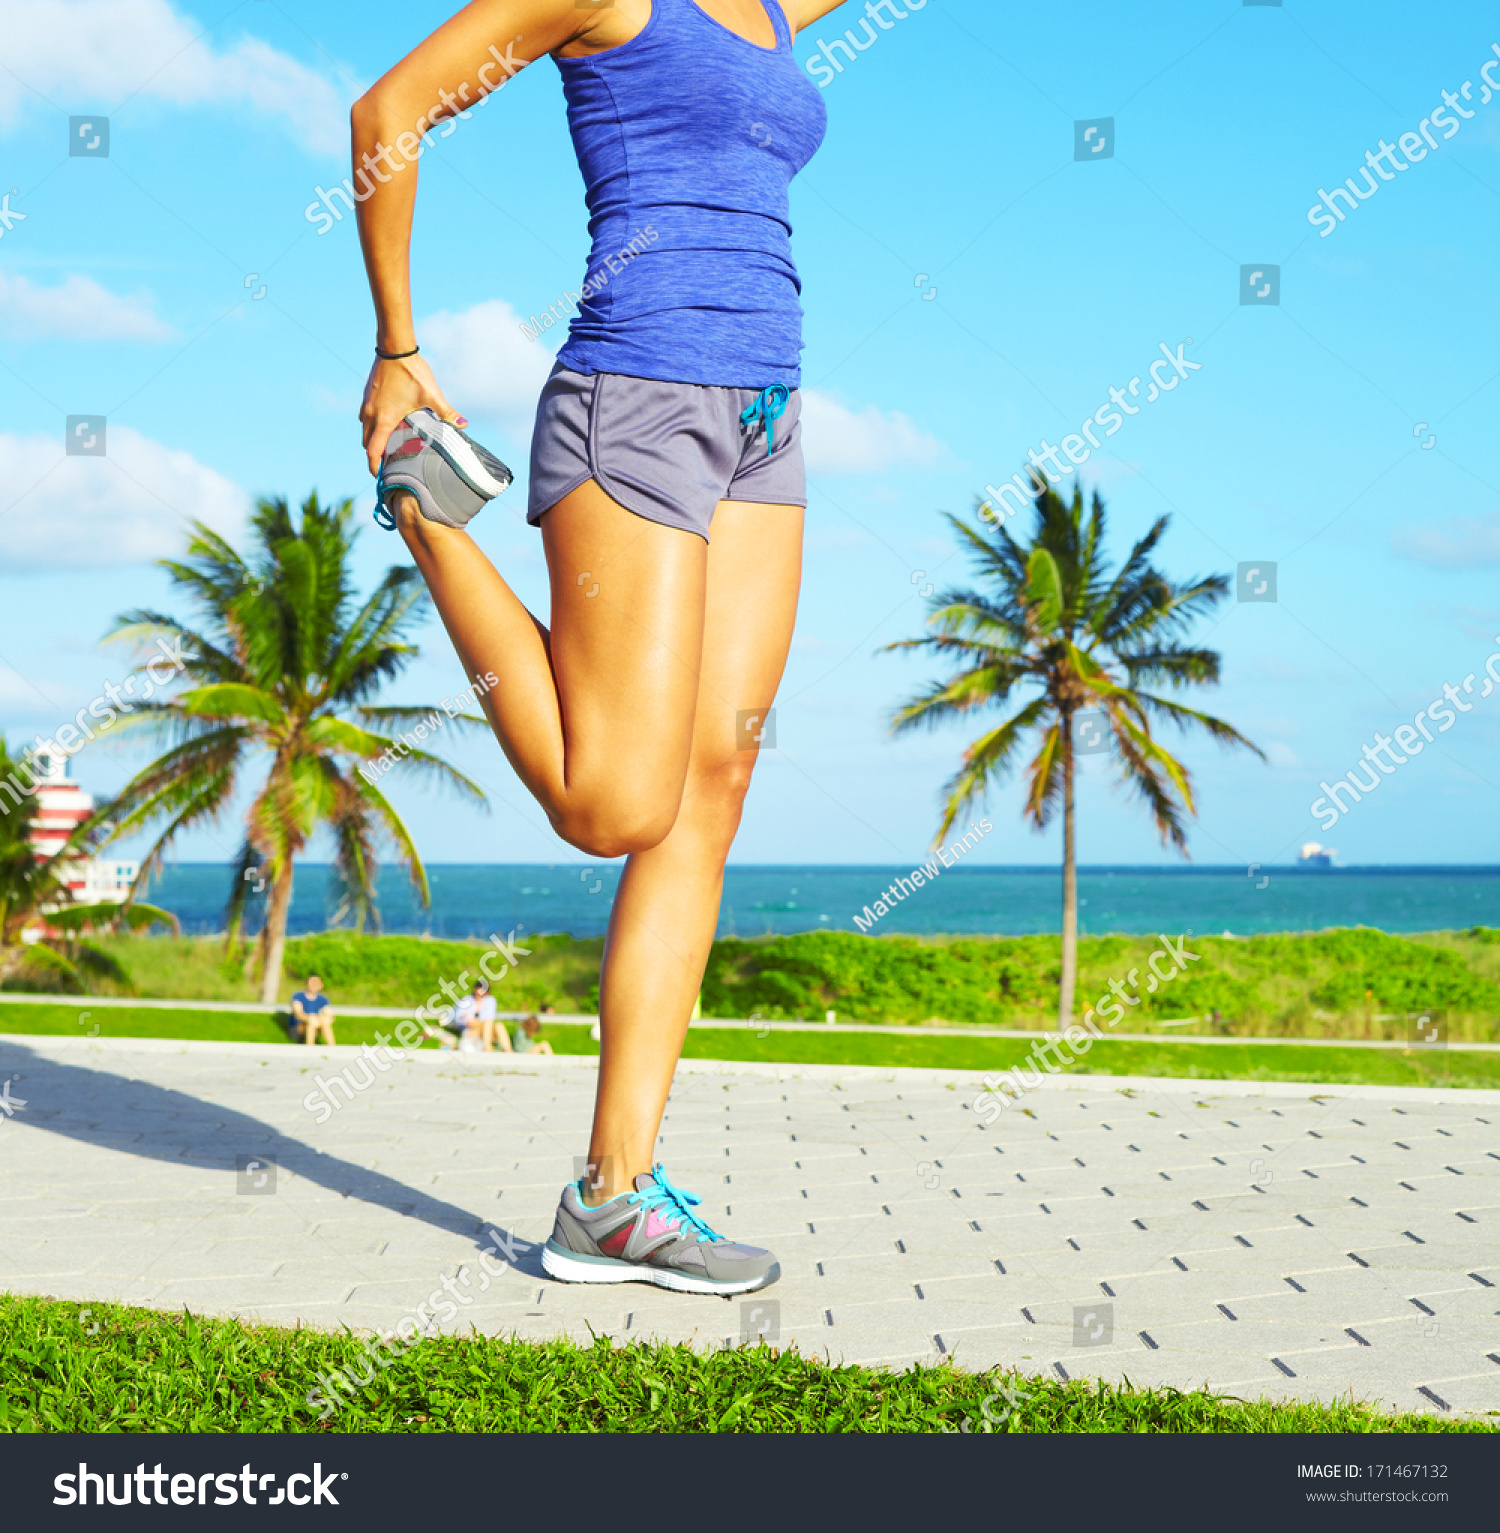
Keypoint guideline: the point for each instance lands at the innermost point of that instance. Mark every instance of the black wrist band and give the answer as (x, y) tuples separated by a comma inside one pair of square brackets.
[(396, 356)]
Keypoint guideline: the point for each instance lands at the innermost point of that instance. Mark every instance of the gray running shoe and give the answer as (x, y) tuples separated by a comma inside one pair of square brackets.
[(452, 477), (650, 1235)]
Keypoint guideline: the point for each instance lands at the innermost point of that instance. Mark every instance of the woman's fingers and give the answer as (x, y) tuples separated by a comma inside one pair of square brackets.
[(393, 391)]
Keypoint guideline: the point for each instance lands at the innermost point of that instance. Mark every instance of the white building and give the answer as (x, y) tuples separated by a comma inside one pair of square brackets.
[(61, 805)]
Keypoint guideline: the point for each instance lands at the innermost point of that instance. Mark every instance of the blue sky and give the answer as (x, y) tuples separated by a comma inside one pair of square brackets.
[(970, 288)]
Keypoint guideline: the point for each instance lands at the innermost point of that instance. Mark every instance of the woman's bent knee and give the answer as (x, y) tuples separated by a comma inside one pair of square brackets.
[(604, 831)]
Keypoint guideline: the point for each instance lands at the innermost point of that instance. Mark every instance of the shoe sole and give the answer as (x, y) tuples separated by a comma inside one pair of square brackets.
[(455, 449), (570, 1267)]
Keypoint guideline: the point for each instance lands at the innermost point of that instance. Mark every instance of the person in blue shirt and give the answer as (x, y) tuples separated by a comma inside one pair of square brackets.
[(312, 1014)]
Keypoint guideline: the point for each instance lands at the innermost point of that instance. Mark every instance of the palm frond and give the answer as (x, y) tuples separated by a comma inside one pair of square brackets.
[(395, 828), (985, 763), (1048, 610), (280, 652), (1224, 733), (943, 700), (1045, 776)]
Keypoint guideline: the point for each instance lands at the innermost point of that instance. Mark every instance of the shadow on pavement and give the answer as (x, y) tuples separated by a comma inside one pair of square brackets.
[(135, 1117)]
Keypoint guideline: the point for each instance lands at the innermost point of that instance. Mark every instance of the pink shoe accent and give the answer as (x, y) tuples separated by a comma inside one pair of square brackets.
[(656, 1226)]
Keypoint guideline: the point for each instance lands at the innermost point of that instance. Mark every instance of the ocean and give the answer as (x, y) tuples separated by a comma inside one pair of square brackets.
[(473, 900)]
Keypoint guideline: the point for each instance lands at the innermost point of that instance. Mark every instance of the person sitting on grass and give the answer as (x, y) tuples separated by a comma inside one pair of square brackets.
[(471, 1026), (485, 1018), (311, 1013), (475, 1017), (527, 1041)]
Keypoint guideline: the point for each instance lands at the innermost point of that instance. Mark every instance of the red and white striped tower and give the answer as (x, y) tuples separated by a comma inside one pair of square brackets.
[(61, 806)]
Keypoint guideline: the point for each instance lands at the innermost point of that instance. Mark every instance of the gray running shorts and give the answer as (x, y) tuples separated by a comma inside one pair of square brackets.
[(667, 451)]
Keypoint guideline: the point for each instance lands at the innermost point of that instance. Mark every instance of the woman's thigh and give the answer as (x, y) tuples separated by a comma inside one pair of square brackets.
[(626, 646), (753, 579)]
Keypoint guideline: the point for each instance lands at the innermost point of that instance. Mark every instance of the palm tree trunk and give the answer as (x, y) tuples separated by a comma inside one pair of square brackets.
[(274, 936), (1069, 981)]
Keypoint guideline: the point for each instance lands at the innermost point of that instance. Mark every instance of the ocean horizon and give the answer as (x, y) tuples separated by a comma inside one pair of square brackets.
[(475, 899)]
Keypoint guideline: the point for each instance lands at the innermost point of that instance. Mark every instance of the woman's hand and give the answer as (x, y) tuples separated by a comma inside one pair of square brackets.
[(392, 392)]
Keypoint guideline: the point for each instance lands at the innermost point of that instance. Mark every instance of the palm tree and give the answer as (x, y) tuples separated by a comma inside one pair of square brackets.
[(40, 925), (1053, 619), (283, 665)]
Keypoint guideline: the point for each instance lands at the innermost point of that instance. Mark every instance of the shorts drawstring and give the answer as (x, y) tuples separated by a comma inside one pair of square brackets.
[(768, 406)]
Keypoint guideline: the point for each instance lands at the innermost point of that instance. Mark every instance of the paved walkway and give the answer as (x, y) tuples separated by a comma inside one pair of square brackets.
[(1290, 1241)]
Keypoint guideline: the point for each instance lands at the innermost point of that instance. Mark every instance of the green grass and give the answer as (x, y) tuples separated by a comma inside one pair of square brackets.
[(358, 970), (113, 1368), (80, 1021), (1333, 984), (1330, 984), (1250, 1061)]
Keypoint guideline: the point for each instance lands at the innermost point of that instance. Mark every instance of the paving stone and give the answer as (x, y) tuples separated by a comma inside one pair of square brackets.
[(121, 1185)]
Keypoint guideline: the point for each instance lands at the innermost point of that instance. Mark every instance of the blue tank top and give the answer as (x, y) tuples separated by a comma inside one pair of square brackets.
[(688, 137)]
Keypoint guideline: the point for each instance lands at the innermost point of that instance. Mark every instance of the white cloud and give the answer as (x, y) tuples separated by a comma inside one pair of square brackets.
[(1462, 542), (78, 310), (485, 367), (19, 694), (839, 440), (91, 54), (129, 507), (1474, 622)]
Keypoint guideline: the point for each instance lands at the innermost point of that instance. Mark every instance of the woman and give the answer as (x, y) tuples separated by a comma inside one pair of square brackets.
[(529, 1039), (673, 405)]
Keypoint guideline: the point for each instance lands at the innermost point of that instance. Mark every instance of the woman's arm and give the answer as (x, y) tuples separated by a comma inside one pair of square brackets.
[(470, 56), (805, 12)]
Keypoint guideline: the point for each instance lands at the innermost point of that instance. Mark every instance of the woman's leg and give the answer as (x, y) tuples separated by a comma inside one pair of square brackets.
[(597, 715), (667, 906)]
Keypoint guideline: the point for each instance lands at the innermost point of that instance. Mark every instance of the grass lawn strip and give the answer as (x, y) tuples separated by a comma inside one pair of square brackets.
[(1354, 982), (124, 1369), (1332, 1065)]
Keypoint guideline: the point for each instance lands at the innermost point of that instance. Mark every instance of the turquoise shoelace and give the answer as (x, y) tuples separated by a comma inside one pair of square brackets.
[(675, 1200), (382, 513), (766, 409)]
